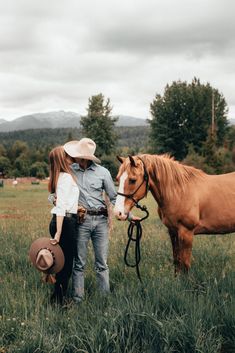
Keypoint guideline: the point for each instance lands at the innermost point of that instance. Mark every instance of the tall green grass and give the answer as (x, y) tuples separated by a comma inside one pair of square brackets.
[(194, 313)]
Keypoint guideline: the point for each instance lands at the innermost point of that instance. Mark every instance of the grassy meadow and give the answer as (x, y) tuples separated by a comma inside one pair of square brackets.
[(194, 313)]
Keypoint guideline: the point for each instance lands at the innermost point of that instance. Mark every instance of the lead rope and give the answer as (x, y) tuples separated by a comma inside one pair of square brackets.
[(134, 233)]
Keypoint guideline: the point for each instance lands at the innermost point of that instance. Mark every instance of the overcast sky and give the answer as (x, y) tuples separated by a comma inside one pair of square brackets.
[(55, 54)]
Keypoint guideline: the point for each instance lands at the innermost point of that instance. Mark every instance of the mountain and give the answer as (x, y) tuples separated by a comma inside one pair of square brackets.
[(42, 120), (125, 120), (58, 119)]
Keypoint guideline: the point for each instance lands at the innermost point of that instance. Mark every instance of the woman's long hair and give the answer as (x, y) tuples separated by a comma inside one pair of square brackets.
[(59, 162)]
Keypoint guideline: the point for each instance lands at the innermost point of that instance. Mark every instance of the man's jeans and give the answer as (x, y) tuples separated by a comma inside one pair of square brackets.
[(96, 229)]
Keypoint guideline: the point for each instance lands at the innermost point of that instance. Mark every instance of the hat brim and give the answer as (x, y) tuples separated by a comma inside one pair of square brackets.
[(44, 243), (89, 157), (71, 148)]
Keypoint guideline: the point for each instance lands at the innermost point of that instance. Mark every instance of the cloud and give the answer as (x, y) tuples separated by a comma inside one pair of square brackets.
[(56, 54)]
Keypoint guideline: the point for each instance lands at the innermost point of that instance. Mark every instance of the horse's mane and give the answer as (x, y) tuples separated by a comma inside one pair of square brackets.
[(172, 176)]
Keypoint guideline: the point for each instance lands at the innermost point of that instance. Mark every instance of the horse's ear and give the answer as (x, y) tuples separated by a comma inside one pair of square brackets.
[(132, 161), (121, 159)]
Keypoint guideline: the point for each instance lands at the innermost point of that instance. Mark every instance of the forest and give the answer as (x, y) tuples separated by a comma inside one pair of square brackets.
[(189, 122)]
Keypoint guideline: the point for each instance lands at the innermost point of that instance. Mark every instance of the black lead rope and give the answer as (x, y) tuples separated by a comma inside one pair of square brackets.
[(135, 226), (134, 235)]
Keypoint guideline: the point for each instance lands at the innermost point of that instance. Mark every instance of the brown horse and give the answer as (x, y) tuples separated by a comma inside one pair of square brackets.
[(189, 201)]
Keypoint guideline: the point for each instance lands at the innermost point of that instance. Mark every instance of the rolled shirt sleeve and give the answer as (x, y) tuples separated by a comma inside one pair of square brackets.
[(109, 187), (63, 191), (67, 194)]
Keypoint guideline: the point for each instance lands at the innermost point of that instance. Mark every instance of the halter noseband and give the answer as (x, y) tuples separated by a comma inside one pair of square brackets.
[(145, 179)]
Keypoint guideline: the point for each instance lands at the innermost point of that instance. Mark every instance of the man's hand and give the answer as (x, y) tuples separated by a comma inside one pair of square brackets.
[(52, 199)]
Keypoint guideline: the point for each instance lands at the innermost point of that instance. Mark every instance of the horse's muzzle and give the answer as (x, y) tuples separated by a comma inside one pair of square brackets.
[(120, 216)]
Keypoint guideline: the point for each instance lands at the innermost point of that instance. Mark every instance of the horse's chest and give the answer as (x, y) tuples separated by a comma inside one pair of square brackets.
[(167, 219), (172, 219)]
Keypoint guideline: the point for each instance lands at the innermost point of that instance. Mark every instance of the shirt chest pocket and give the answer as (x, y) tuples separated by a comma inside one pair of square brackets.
[(96, 184)]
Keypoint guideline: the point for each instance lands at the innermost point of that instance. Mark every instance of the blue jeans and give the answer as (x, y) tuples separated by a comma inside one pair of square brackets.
[(96, 229)]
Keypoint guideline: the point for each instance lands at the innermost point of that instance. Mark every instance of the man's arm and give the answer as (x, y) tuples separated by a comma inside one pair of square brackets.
[(109, 187)]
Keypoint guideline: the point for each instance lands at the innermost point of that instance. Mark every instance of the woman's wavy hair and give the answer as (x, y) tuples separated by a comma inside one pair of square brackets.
[(59, 162)]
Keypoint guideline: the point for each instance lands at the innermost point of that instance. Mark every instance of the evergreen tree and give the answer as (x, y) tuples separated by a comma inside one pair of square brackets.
[(5, 166), (99, 125), (3, 151), (182, 116), (70, 136)]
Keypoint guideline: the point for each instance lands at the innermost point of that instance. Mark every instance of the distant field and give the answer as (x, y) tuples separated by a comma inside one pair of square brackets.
[(194, 313)]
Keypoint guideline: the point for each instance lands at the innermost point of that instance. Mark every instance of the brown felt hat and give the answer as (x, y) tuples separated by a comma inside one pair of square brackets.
[(46, 257)]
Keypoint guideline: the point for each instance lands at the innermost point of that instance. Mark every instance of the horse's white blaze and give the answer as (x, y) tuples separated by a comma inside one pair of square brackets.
[(119, 205)]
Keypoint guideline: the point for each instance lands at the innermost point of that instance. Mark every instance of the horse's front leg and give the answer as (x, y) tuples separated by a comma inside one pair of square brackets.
[(185, 238), (175, 248)]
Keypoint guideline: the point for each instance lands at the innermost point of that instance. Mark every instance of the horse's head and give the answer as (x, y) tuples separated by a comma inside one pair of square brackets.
[(133, 183)]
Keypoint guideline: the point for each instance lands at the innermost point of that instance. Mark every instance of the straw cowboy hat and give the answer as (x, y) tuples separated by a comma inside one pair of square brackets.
[(85, 149), (46, 257)]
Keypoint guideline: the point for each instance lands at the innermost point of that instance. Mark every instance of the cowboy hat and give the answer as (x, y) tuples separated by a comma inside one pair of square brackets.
[(85, 149), (46, 257), (71, 148)]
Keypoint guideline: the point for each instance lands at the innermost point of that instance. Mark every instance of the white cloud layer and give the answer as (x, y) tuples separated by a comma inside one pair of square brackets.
[(56, 54)]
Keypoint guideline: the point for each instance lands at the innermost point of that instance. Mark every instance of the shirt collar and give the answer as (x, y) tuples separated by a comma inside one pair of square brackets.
[(76, 166)]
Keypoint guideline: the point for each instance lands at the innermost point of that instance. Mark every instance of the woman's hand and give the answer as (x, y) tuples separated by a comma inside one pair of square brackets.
[(56, 239)]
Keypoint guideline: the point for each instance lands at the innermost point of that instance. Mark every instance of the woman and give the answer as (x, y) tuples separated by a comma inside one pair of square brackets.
[(64, 220)]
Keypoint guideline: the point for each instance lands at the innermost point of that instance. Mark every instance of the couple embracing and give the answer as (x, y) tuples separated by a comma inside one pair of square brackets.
[(78, 183)]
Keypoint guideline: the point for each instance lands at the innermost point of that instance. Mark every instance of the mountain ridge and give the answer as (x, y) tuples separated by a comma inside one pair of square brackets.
[(58, 119)]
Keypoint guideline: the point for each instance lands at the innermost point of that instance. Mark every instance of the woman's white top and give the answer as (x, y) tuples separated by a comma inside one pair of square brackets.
[(67, 194)]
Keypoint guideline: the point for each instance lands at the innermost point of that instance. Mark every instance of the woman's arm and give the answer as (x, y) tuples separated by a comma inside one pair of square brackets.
[(59, 225), (63, 191)]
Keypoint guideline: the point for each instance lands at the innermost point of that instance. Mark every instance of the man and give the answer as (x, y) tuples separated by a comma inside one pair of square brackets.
[(93, 180)]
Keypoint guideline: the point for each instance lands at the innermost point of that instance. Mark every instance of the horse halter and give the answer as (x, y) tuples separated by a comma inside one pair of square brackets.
[(131, 196), (136, 225)]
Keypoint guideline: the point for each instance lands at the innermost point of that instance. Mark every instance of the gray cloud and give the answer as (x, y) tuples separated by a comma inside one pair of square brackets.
[(54, 55)]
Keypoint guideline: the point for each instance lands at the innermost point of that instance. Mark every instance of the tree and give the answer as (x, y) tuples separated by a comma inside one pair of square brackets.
[(18, 149), (99, 125), (111, 163), (5, 166), (39, 170), (231, 137), (21, 166), (3, 151), (182, 116)]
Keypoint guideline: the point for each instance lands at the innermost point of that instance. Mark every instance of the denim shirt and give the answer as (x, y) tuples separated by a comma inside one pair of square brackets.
[(92, 182)]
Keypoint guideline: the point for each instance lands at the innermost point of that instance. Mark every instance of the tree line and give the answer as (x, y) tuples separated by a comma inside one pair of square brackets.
[(20, 150), (189, 121)]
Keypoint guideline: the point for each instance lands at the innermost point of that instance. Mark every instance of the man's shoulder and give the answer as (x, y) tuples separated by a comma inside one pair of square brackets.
[(101, 168)]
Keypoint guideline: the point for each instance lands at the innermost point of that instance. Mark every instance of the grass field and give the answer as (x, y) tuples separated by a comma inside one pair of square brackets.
[(194, 313)]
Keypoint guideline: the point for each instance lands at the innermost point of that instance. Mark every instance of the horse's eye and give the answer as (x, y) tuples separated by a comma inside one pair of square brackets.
[(132, 181)]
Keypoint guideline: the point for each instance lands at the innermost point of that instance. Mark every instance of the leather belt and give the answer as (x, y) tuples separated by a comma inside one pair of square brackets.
[(102, 211), (70, 215)]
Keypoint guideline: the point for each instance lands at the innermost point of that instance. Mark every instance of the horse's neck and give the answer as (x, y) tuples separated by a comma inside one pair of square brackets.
[(157, 188), (155, 191)]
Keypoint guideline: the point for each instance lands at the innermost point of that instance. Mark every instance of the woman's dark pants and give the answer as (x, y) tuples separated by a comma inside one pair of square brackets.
[(67, 243)]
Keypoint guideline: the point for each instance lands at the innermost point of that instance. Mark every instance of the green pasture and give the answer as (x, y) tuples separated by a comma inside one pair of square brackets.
[(194, 313)]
